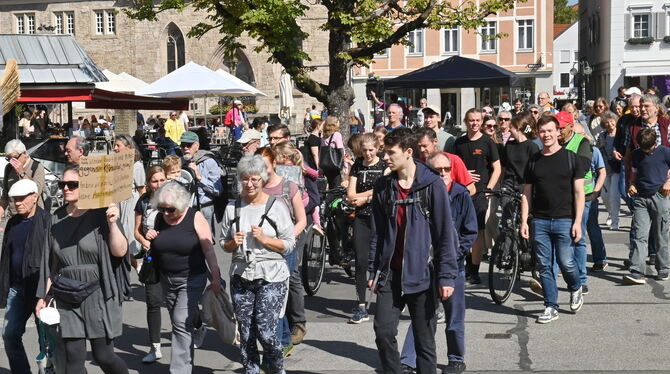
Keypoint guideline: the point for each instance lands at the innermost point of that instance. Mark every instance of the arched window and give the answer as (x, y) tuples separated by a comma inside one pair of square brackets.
[(175, 48)]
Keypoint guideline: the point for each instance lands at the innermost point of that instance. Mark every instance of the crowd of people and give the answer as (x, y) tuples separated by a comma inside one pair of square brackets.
[(398, 179)]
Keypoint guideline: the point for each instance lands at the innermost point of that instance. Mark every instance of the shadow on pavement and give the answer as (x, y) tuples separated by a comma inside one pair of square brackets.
[(347, 350)]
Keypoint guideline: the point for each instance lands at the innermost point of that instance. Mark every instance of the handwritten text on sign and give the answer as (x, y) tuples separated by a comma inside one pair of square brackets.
[(105, 179)]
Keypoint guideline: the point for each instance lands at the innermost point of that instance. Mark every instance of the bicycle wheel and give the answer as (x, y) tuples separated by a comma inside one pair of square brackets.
[(313, 263), (503, 268)]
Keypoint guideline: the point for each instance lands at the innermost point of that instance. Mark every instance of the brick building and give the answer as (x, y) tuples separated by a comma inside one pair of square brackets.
[(149, 50), (527, 51)]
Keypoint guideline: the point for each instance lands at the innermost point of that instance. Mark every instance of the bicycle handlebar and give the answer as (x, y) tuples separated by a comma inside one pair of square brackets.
[(503, 191)]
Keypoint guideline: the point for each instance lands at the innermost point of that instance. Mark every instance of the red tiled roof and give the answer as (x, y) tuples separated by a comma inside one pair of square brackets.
[(559, 28)]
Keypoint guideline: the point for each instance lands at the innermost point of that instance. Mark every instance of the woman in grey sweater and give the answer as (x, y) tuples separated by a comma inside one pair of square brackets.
[(258, 230)]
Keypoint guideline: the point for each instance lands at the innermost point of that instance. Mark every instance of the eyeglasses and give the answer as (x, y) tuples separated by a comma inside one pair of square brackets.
[(186, 145), (534, 111), (166, 209), (71, 185), (491, 126), (9, 158), (253, 181), (504, 119), (447, 169)]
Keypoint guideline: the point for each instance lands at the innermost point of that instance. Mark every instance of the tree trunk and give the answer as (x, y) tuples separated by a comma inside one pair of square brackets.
[(340, 93)]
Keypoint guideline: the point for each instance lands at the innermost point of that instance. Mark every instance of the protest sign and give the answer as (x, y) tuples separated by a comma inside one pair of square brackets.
[(105, 179)]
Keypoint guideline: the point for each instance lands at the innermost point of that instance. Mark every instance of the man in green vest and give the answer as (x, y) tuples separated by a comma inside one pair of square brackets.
[(578, 144)]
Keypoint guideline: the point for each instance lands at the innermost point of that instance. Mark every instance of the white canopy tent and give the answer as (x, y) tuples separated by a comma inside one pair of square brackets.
[(193, 80), (123, 82)]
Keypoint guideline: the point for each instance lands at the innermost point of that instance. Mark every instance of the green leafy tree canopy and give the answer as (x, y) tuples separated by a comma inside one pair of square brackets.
[(357, 29), (564, 13)]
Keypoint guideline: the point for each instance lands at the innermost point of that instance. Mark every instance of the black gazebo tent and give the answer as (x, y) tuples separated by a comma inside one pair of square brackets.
[(455, 72)]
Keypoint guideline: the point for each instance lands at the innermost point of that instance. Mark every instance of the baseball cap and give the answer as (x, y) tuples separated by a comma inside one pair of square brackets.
[(564, 119), (237, 102), (23, 187), (249, 135), (632, 90), (431, 109), (189, 137)]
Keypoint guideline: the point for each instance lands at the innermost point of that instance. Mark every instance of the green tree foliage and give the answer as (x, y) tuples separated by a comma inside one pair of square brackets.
[(564, 13), (357, 29)]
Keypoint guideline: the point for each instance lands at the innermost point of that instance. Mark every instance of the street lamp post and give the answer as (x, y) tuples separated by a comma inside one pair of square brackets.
[(583, 71)]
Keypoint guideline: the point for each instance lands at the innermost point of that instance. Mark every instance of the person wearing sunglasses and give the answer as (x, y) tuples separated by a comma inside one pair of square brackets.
[(22, 249), (258, 230), (182, 243), (465, 221), (504, 118), (88, 247), (20, 166)]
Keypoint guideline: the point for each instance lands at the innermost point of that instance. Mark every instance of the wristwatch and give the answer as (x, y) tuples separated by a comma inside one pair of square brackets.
[(22, 175)]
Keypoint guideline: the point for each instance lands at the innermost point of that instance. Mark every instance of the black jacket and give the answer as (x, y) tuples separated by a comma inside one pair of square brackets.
[(32, 257)]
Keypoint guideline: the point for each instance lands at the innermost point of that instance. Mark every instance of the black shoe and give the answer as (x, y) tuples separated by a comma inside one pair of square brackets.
[(407, 369), (626, 264), (599, 267), (475, 279), (585, 290), (454, 367)]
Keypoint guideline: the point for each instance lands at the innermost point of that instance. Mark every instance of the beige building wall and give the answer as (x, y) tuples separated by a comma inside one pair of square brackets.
[(140, 48)]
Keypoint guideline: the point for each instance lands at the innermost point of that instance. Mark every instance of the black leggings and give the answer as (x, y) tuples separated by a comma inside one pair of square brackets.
[(154, 297), (361, 241), (103, 353)]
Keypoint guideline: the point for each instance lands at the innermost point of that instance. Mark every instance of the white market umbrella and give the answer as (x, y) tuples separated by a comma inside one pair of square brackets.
[(245, 88), (193, 80), (123, 82), (285, 96)]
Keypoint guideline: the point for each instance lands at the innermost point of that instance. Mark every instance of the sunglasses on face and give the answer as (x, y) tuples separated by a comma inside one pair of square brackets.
[(534, 112), (10, 158), (166, 209), (186, 145), (491, 126), (503, 119), (71, 185), (447, 169)]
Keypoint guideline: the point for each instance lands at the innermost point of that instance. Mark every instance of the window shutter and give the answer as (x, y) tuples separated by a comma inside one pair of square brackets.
[(652, 25), (660, 25), (626, 27)]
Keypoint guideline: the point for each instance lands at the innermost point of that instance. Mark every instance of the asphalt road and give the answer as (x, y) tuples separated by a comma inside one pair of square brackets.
[(621, 328)]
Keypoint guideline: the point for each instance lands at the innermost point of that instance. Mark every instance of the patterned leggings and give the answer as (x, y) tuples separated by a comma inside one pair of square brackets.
[(258, 304)]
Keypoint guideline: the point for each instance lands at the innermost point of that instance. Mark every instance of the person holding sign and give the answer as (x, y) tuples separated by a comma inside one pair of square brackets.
[(83, 263)]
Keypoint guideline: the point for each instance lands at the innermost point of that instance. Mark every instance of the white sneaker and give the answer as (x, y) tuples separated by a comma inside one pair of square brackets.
[(609, 221), (154, 354), (576, 300), (550, 314), (199, 336)]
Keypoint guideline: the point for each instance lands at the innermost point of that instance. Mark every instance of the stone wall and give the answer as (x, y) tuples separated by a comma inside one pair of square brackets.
[(139, 48)]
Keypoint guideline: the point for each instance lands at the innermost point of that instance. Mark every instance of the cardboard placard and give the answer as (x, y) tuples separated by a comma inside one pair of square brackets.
[(105, 179)]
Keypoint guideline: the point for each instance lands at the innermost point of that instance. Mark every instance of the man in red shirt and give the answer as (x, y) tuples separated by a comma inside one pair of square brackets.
[(427, 142)]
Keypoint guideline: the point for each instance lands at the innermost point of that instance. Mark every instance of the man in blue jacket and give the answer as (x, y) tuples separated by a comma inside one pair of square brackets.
[(465, 223), (416, 269)]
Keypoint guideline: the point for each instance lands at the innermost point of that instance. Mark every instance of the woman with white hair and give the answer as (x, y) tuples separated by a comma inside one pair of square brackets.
[(258, 230), (183, 249)]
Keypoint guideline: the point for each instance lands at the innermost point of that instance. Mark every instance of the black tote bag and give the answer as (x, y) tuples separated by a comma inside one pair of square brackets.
[(330, 159)]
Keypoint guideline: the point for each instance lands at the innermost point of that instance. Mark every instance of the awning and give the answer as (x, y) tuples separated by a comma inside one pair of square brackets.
[(455, 72), (100, 99), (646, 71)]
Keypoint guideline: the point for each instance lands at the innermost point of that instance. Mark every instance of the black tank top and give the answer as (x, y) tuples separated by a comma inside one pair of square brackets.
[(177, 248)]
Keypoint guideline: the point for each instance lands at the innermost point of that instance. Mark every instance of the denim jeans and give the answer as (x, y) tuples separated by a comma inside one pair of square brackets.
[(650, 212), (552, 240), (182, 295), (18, 311), (595, 235), (421, 306), (580, 246), (454, 313), (283, 328)]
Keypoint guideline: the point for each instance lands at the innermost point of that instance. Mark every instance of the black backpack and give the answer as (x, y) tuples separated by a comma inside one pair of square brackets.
[(264, 217)]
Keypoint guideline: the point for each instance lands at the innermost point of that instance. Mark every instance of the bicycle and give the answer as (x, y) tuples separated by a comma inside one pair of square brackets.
[(336, 244), (511, 255)]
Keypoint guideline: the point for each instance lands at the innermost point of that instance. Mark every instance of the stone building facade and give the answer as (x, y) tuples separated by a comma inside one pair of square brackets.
[(147, 49)]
